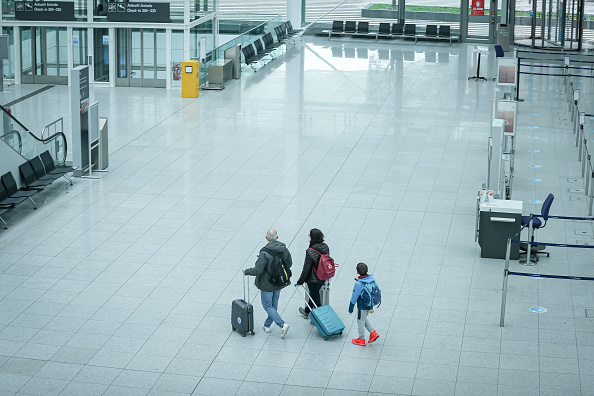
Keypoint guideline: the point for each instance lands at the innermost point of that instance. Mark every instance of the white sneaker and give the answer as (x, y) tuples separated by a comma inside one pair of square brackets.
[(266, 329), (284, 330)]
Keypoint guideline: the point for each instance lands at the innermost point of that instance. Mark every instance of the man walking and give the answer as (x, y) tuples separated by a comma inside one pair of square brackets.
[(269, 292)]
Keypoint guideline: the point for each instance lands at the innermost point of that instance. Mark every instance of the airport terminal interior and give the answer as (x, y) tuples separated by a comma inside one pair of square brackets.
[(122, 285)]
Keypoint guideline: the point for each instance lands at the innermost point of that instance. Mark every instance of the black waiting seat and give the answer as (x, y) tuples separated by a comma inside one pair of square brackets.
[(28, 175), (384, 30), (397, 29), (39, 171), (290, 28), (6, 201), (431, 31), (363, 30), (350, 27), (445, 33), (52, 169), (337, 28), (269, 42), (250, 55), (260, 48), (410, 30), (281, 33), (13, 191)]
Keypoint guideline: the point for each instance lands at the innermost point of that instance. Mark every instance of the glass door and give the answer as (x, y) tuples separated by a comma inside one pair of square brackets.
[(478, 20), (550, 24), (140, 57), (44, 55)]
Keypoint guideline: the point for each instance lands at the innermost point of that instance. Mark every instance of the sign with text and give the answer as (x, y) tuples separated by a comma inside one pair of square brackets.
[(478, 7), (44, 10), (138, 12)]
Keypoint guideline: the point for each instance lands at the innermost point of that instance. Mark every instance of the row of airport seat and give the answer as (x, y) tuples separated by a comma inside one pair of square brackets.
[(260, 48), (36, 173), (387, 30)]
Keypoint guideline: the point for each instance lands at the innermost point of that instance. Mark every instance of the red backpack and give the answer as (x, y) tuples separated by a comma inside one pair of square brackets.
[(326, 266)]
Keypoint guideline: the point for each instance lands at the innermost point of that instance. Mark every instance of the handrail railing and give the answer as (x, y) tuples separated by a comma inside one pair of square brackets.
[(307, 27), (55, 125), (10, 142), (30, 145)]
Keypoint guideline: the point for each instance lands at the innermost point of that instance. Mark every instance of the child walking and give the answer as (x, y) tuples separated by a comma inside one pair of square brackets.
[(364, 305)]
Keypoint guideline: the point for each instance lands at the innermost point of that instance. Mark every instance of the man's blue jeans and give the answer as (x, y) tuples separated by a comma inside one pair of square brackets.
[(270, 304)]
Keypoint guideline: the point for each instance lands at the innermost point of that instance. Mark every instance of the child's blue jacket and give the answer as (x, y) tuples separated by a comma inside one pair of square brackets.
[(356, 296)]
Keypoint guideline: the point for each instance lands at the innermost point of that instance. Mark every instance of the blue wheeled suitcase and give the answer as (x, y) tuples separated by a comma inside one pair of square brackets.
[(326, 321)]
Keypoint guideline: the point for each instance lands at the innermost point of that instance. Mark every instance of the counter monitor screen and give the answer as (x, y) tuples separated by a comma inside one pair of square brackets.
[(188, 69)]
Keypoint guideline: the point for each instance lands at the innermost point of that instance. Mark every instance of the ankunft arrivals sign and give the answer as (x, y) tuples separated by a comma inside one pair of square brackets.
[(44, 10), (138, 12)]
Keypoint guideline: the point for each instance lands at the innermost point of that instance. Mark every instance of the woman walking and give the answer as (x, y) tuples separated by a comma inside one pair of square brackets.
[(317, 247)]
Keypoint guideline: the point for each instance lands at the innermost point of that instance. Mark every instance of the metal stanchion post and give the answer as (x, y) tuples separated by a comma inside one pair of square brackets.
[(587, 164), (529, 250), (505, 276), (591, 192)]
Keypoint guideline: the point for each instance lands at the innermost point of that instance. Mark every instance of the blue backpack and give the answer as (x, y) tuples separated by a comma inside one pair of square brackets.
[(371, 294)]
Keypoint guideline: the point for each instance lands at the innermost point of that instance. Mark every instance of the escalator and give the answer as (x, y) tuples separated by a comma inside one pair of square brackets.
[(24, 142)]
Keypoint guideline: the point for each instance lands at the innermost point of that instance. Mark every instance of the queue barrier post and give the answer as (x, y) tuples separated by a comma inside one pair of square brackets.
[(505, 278), (586, 163)]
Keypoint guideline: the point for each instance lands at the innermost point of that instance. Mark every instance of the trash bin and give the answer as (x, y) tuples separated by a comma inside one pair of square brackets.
[(503, 36)]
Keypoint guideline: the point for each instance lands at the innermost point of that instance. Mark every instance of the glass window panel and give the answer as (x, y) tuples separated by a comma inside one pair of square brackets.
[(148, 55), (51, 50), (161, 55), (79, 46), (39, 44), (63, 51), (122, 38), (26, 51), (135, 54)]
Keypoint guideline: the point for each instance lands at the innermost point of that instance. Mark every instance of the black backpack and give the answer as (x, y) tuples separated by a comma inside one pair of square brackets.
[(279, 274)]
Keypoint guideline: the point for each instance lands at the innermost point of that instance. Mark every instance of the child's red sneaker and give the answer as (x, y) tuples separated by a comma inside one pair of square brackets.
[(373, 336), (358, 341)]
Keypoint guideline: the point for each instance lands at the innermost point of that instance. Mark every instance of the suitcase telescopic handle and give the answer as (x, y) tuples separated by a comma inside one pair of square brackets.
[(245, 280), (308, 297)]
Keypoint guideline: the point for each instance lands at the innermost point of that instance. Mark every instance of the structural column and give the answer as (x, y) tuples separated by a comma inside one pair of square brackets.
[(295, 12)]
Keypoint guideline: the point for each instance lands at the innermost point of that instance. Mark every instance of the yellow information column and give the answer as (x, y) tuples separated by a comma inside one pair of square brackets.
[(190, 79)]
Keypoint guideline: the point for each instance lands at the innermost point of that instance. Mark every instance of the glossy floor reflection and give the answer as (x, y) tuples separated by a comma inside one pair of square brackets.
[(123, 285)]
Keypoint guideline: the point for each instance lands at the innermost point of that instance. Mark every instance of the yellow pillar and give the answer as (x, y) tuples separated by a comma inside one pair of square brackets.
[(190, 79)]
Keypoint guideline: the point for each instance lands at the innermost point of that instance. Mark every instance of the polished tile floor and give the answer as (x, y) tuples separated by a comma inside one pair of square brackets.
[(123, 285)]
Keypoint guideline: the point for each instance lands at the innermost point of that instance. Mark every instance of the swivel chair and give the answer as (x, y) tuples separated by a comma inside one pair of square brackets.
[(537, 223), (498, 54)]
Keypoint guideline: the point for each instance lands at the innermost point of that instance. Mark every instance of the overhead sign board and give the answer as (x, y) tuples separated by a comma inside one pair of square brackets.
[(44, 10), (138, 12)]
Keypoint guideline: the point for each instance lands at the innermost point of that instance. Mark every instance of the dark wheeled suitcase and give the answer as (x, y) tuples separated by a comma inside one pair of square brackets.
[(326, 321), (242, 314)]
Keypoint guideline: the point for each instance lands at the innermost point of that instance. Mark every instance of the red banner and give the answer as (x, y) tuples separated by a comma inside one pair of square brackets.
[(478, 7)]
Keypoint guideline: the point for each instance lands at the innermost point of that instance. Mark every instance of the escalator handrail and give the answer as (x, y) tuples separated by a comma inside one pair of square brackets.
[(44, 141), (15, 132)]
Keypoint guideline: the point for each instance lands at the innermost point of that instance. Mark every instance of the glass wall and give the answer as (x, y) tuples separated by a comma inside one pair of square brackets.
[(79, 46), (8, 65), (177, 56), (101, 55)]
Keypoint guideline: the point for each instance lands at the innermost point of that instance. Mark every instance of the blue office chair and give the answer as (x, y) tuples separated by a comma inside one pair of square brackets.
[(499, 51), (498, 54), (537, 223)]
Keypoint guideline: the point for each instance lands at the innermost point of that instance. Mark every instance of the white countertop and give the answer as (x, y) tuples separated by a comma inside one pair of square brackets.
[(502, 206)]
